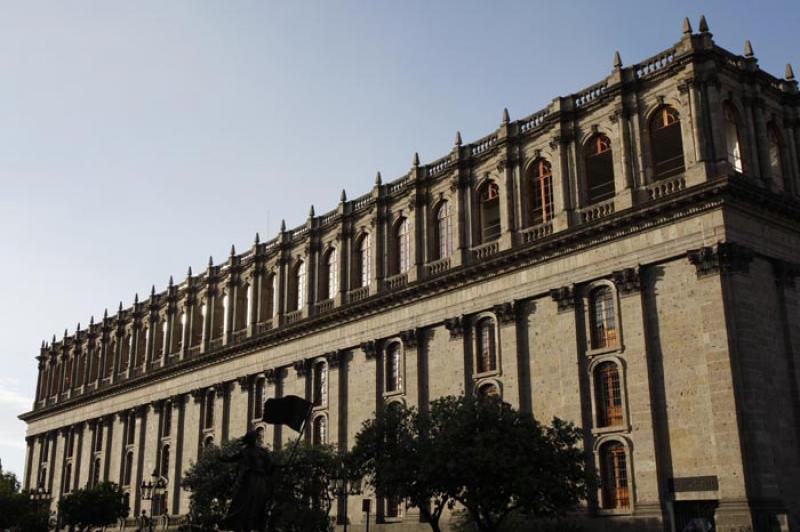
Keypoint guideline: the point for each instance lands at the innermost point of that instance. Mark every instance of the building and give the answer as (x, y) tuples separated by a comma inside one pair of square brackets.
[(625, 258)]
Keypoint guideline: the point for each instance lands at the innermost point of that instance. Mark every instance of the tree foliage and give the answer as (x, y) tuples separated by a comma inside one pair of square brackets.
[(301, 494), (478, 452), (17, 510), (93, 506)]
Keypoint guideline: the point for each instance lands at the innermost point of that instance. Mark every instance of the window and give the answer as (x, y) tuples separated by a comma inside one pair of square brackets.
[(602, 318), (42, 477), (489, 212), (488, 389), (158, 338), (268, 297), (599, 169), (666, 143), (443, 235), (487, 355), (111, 353), (539, 182), (298, 287), (208, 441), (43, 457), (241, 308), (320, 430), (166, 419), (98, 437), (130, 429), (320, 384), (71, 444), (164, 470), (614, 476), (219, 318), (198, 313), (400, 249), (733, 140), (260, 436), (208, 415), (258, 399), (393, 376), (775, 155), (96, 471), (178, 330), (364, 262), (331, 285), (128, 469), (392, 507), (608, 395), (67, 477)]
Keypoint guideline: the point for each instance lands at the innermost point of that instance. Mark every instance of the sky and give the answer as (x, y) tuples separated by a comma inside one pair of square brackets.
[(138, 138)]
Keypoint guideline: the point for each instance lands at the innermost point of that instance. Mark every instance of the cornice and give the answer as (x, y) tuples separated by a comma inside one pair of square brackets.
[(726, 191)]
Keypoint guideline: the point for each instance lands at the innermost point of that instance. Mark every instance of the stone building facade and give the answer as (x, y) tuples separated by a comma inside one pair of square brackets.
[(625, 258)]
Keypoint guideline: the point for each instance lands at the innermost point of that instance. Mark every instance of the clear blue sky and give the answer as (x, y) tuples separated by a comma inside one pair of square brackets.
[(137, 138)]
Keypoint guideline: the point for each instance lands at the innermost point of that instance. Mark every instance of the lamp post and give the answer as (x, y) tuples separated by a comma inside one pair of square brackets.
[(42, 496), (152, 490), (346, 486)]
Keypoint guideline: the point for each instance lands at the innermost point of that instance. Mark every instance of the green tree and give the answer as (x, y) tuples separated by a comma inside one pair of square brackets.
[(211, 483), (17, 510), (93, 506), (479, 452)]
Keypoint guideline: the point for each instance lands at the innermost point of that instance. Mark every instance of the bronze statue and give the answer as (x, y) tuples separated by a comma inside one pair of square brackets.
[(248, 509)]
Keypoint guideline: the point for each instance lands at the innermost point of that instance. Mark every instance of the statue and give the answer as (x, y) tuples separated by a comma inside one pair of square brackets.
[(248, 509)]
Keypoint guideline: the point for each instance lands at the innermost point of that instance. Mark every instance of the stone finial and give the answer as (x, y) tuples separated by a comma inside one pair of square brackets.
[(703, 26), (233, 250), (120, 306), (617, 60), (506, 118), (65, 333), (105, 314), (789, 72), (257, 239), (78, 327), (458, 138), (136, 298), (748, 49), (91, 320), (54, 340), (415, 160), (153, 291), (378, 180), (44, 344), (343, 196), (311, 212), (189, 273), (283, 225), (687, 26), (171, 282), (210, 261)]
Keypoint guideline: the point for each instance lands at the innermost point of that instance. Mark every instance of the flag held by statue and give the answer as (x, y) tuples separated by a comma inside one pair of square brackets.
[(291, 411)]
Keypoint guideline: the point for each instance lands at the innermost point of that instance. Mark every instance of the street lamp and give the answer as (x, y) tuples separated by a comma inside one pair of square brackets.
[(346, 486), (152, 490), (40, 494)]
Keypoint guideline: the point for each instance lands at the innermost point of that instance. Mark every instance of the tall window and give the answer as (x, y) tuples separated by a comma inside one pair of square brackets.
[(67, 477), (126, 476), (489, 212), (614, 475), (602, 318), (486, 344), (400, 247), (393, 375), (443, 235), (364, 261), (260, 436), (320, 383), (166, 419), (320, 430), (298, 287), (164, 471), (539, 181), (733, 140), (130, 429), (608, 395), (599, 169), (96, 471), (243, 307), (268, 298), (208, 418), (392, 507), (775, 155), (331, 272), (258, 399), (98, 437), (666, 143)]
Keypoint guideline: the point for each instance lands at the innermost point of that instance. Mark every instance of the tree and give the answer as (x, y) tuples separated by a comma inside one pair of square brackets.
[(17, 510), (302, 488), (478, 452), (394, 453), (95, 506)]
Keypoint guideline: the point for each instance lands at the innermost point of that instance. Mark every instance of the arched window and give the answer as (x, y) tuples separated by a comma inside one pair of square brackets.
[(208, 418), (67, 477), (443, 234), (320, 430), (608, 395), (98, 437), (392, 367), (219, 318), (42, 477), (489, 212), (164, 471), (364, 261), (258, 399), (614, 475), (539, 182), (178, 330), (166, 419), (733, 139), (242, 308), (158, 338), (130, 429), (487, 346), (268, 297), (299, 286), (125, 351), (208, 441), (666, 143), (320, 384), (96, 471), (94, 361), (330, 277), (599, 169), (775, 155), (602, 318), (488, 389), (260, 436), (400, 248), (128, 468)]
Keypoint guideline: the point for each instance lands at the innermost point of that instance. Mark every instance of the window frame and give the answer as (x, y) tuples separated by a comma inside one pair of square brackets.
[(539, 186), (443, 242), (589, 319), (324, 436), (732, 117), (323, 387), (599, 444), (593, 368), (662, 111), (476, 341), (401, 373), (482, 231), (595, 139)]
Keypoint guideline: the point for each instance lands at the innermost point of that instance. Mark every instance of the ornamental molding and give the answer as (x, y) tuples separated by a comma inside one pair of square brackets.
[(301, 367), (370, 349), (506, 312), (336, 359), (455, 326), (410, 338), (627, 280), (725, 258), (565, 297)]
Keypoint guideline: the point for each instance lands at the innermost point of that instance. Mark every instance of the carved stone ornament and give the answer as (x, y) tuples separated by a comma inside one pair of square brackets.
[(409, 338), (564, 297), (724, 258), (505, 312), (243, 382), (370, 349), (455, 326), (336, 358), (627, 280)]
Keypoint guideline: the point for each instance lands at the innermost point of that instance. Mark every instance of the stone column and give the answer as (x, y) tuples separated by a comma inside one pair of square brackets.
[(715, 117), (138, 474), (83, 455), (191, 435), (753, 161), (274, 389), (29, 461), (507, 357), (792, 179), (240, 409), (177, 404), (59, 445), (563, 199), (223, 409)]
